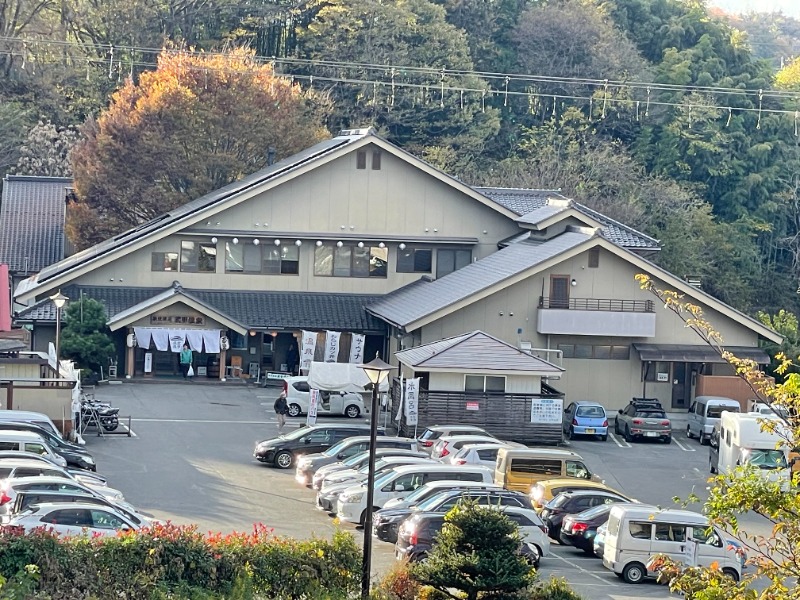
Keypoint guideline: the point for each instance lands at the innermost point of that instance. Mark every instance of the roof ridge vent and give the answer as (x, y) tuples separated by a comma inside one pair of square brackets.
[(356, 132), (584, 230), (562, 202)]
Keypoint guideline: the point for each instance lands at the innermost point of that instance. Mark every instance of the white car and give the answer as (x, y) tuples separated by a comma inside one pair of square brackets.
[(73, 519), (429, 437), (31, 468), (531, 528), (298, 397), (10, 487), (449, 445), (476, 454), (358, 461)]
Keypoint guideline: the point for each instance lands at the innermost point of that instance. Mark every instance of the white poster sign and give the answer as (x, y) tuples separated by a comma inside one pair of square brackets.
[(332, 346), (547, 411), (357, 348), (412, 401), (148, 362), (313, 404), (309, 345)]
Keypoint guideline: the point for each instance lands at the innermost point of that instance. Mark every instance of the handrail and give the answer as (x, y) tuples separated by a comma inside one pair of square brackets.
[(597, 304)]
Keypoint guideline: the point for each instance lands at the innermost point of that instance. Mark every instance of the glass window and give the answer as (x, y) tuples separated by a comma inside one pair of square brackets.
[(484, 383), (638, 530), (669, 532), (9, 446), (361, 159), (376, 160), (360, 267), (72, 517), (473, 383), (378, 260), (583, 351), (323, 260), (290, 260), (495, 384), (105, 520), (234, 257), (577, 469), (238, 341), (620, 352), (448, 261), (414, 260), (602, 352), (351, 261), (594, 258), (342, 258), (35, 448), (252, 258), (164, 261), (272, 260), (567, 350), (536, 466), (198, 257)]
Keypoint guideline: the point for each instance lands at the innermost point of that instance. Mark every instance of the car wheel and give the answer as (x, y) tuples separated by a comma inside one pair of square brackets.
[(728, 572), (616, 426), (284, 459), (705, 440), (668, 439), (539, 552), (352, 411), (634, 573), (628, 436), (604, 437), (689, 431), (294, 410), (588, 551)]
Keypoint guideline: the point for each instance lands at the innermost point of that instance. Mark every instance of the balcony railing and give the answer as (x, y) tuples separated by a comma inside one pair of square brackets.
[(598, 304)]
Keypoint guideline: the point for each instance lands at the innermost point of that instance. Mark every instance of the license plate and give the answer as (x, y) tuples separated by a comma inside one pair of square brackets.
[(590, 430), (651, 434)]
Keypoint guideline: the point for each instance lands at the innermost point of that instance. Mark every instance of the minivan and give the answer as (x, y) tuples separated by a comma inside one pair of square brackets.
[(25, 416), (636, 533), (519, 468), (705, 412), (26, 441), (399, 483)]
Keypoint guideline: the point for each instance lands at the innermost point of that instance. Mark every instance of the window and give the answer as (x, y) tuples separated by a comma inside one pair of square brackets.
[(301, 386), (706, 535), (35, 448), (448, 261), (197, 257), (487, 454), (668, 532), (594, 258), (376, 160), (267, 259), (164, 261), (583, 351), (638, 530), (238, 341), (105, 520), (484, 383), (242, 258), (9, 446), (601, 351), (281, 260), (577, 469), (350, 261), (414, 260), (654, 368), (361, 159), (72, 517), (536, 466)]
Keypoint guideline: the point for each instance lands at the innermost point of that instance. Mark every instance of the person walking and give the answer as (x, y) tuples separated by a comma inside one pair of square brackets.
[(281, 409), (186, 360)]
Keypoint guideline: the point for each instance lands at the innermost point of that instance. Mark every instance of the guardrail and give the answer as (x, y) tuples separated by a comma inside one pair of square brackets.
[(598, 304)]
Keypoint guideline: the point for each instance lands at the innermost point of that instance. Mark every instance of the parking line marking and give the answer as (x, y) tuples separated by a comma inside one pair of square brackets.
[(581, 569), (682, 447), (206, 421), (620, 443)]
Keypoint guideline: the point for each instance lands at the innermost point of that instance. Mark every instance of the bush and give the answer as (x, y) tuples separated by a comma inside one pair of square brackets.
[(552, 589), (179, 562)]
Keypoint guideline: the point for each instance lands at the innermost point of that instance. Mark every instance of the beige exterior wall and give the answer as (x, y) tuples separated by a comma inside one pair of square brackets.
[(20, 370), (454, 382), (397, 200), (510, 314)]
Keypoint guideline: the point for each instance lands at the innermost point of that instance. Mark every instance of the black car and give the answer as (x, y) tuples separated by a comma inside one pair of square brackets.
[(282, 451), (74, 455), (386, 522), (570, 503), (416, 537), (579, 530)]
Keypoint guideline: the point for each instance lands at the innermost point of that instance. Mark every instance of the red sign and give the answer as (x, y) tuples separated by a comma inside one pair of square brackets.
[(473, 406)]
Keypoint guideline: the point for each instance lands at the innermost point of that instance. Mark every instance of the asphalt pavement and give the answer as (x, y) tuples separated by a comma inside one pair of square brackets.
[(190, 460)]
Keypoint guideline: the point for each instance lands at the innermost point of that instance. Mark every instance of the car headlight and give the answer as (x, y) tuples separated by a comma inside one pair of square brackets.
[(537, 493), (88, 460), (262, 446), (356, 497)]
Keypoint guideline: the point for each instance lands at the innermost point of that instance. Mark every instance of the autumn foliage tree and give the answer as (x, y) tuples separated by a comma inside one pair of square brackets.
[(195, 124)]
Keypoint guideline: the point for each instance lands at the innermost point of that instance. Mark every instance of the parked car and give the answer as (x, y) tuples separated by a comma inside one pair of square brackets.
[(298, 397), (432, 488), (74, 519), (15, 440), (643, 420), (600, 540), (74, 455), (567, 503), (580, 530), (705, 412), (520, 468), (282, 451), (585, 418), (25, 416), (386, 521), (544, 491), (429, 437), (10, 488), (450, 444), (27, 498), (358, 461), (308, 464), (24, 467), (477, 454), (92, 476)]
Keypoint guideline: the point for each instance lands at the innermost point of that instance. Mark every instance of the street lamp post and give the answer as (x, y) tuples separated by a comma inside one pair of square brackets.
[(59, 300), (376, 371)]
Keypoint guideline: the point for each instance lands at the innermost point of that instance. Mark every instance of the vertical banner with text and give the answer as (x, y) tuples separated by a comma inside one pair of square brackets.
[(332, 346), (309, 345), (357, 348), (412, 401), (313, 404)]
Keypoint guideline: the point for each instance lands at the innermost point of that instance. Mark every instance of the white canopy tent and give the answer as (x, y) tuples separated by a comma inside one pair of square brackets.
[(340, 377)]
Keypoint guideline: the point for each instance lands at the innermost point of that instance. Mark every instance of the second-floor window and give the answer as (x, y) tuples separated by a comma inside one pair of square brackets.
[(164, 261), (198, 257), (349, 260), (265, 258), (449, 260), (414, 260)]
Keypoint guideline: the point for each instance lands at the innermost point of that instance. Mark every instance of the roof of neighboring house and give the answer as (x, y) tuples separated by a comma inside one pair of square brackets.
[(259, 310), (475, 352), (32, 216), (527, 204), (421, 299)]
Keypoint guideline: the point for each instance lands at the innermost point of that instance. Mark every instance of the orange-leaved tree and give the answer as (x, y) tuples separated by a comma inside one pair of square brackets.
[(195, 124)]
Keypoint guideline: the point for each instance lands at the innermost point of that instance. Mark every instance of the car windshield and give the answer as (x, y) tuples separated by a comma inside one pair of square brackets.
[(591, 412), (650, 414), (334, 450), (434, 501), (384, 479), (559, 500), (421, 492), (355, 461), (766, 459), (297, 434), (715, 412)]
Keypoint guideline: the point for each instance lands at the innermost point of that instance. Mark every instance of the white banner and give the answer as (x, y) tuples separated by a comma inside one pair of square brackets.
[(308, 346), (357, 348), (401, 403), (313, 404), (332, 346), (176, 339), (412, 401)]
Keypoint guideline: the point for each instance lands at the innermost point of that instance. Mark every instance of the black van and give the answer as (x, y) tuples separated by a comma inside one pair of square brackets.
[(281, 451)]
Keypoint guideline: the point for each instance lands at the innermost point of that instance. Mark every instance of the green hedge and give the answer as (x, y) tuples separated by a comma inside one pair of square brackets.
[(171, 559)]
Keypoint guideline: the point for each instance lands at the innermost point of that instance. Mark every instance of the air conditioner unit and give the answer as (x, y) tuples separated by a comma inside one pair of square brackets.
[(526, 347)]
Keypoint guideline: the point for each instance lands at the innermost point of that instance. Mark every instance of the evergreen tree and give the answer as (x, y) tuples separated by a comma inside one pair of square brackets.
[(85, 336)]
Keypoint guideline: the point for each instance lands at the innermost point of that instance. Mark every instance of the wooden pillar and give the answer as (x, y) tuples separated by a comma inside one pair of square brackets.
[(222, 359), (129, 357)]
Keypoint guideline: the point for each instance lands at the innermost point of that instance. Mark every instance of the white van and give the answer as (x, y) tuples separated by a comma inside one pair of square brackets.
[(705, 412), (637, 532), (24, 416), (26, 441), (400, 482), (742, 442)]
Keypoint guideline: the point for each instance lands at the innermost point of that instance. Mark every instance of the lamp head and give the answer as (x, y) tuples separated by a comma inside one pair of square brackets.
[(59, 299), (377, 370)]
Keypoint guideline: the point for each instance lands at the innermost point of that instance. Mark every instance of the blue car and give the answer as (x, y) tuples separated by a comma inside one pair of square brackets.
[(585, 418)]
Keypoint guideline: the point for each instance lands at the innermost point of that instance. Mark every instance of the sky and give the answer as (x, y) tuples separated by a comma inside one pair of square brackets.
[(787, 7)]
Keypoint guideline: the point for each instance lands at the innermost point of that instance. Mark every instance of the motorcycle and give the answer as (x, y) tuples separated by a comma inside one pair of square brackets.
[(99, 414)]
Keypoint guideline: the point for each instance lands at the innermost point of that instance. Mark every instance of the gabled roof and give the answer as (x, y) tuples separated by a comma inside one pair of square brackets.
[(32, 216), (476, 352), (238, 191), (256, 310), (409, 305), (525, 203)]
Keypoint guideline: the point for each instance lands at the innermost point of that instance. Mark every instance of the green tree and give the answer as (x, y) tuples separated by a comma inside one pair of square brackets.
[(85, 336), (477, 553), (194, 125)]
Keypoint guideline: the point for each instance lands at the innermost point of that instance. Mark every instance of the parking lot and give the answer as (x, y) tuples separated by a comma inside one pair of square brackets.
[(190, 461)]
